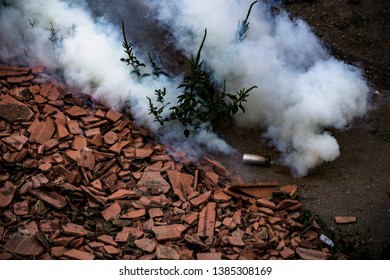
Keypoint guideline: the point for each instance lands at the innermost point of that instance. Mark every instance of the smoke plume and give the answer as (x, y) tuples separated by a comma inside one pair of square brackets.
[(302, 91)]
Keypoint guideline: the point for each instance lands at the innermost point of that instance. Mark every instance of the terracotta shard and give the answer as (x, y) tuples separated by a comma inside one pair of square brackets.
[(199, 200), (7, 193), (154, 179), (24, 245), (110, 138), (113, 115), (217, 166), (86, 159), (256, 190), (76, 254), (75, 229), (51, 198), (345, 219), (146, 244), (43, 132), (73, 127), (309, 254), (169, 232), (122, 194), (209, 256), (206, 222), (76, 111), (166, 253), (21, 208), (181, 183), (143, 153), (13, 110), (111, 211), (134, 214), (16, 141)]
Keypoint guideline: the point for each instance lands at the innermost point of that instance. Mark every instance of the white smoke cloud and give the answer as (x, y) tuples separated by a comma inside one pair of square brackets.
[(302, 91), (88, 50)]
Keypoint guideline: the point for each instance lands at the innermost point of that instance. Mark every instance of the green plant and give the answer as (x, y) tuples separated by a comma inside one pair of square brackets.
[(131, 58), (243, 26), (199, 104), (54, 33)]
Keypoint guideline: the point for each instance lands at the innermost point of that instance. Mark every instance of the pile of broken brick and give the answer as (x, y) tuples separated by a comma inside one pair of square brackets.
[(81, 181)]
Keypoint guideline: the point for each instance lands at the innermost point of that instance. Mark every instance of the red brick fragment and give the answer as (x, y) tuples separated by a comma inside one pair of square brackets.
[(118, 146), (209, 256), (75, 229), (266, 203), (79, 143), (229, 223), (62, 132), (146, 244), (191, 218), (78, 255), (43, 132), (53, 93), (155, 212), (134, 214), (58, 251), (46, 167), (287, 253), (107, 239), (309, 254), (266, 211), (21, 208), (143, 153), (110, 138), (73, 127), (127, 232), (286, 204), (92, 132), (51, 198), (113, 115), (15, 141), (234, 241), (86, 159), (151, 179), (218, 168), (13, 110), (181, 184), (49, 226), (24, 245), (111, 250), (122, 194), (221, 196), (257, 190), (206, 222), (345, 219), (199, 200), (7, 192), (111, 212), (166, 253), (169, 232), (76, 111)]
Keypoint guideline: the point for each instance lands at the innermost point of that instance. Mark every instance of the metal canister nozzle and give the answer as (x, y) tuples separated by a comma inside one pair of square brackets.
[(253, 159)]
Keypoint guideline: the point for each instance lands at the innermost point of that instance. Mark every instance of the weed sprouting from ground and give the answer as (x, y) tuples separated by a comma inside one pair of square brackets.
[(243, 26), (200, 103), (131, 58)]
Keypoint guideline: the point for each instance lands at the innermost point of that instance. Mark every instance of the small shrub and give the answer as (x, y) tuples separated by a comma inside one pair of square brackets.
[(200, 103)]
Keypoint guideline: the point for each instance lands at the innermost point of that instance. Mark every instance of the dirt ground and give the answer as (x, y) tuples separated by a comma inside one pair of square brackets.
[(358, 182)]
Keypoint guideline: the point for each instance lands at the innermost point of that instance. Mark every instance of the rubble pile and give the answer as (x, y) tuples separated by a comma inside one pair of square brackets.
[(81, 181)]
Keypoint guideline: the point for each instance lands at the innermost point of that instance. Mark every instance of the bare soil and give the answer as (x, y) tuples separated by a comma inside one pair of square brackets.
[(358, 182)]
